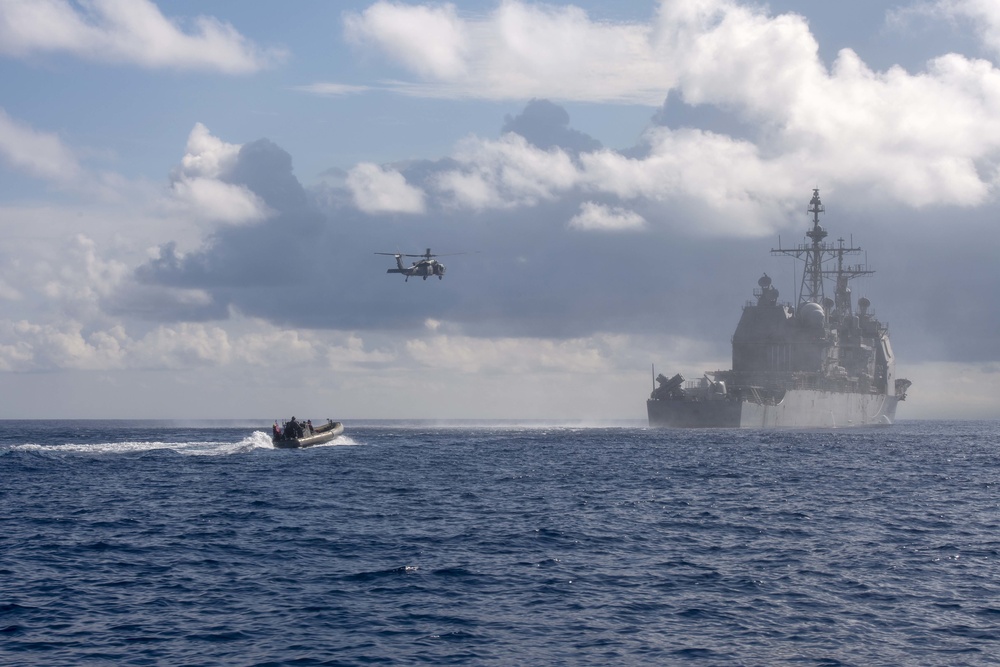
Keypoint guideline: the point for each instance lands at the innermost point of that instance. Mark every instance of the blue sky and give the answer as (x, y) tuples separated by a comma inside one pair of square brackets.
[(192, 193)]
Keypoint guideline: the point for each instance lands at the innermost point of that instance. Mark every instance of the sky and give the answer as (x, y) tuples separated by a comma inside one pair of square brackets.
[(192, 196)]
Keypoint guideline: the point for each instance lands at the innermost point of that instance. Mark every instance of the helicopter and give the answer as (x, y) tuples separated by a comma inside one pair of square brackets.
[(426, 266)]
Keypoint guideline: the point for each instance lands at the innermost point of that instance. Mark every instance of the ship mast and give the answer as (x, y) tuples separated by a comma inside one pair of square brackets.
[(815, 254)]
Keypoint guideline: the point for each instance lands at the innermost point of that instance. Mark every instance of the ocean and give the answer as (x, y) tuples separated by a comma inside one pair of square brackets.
[(403, 543)]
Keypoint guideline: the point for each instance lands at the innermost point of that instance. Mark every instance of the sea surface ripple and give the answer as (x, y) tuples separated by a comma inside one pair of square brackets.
[(157, 543)]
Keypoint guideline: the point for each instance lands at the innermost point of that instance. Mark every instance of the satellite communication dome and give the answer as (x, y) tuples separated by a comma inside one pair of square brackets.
[(812, 314)]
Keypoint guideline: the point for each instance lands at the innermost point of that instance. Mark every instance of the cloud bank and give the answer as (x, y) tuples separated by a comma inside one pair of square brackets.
[(584, 262), (920, 138), (127, 31)]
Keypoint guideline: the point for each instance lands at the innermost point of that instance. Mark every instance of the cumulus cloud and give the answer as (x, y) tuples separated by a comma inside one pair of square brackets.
[(82, 276), (381, 190), (206, 155), (128, 31), (594, 216), (432, 39), (517, 51), (29, 346), (40, 154), (214, 200), (199, 184), (66, 278), (923, 138), (26, 346), (182, 346), (72, 345), (546, 125), (505, 173)]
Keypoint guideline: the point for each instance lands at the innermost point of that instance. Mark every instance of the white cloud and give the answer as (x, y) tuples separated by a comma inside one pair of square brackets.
[(379, 190), (931, 137), (40, 154), (28, 346), (80, 277), (130, 31), (518, 51), (242, 343), (275, 348), (738, 189), (182, 346), (207, 155), (330, 89), (214, 200), (353, 354), (432, 40), (198, 187), (737, 56), (594, 216), (504, 173), (55, 279), (733, 187)]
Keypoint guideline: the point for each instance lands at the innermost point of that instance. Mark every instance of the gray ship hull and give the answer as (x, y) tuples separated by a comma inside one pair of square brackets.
[(799, 408)]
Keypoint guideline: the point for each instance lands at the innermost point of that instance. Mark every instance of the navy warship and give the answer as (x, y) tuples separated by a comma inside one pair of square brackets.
[(819, 364)]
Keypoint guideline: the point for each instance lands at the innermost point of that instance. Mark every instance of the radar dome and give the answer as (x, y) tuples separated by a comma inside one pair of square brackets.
[(863, 304), (765, 281), (811, 314)]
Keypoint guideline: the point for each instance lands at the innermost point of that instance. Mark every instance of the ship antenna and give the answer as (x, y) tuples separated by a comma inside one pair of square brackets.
[(814, 257), (815, 253)]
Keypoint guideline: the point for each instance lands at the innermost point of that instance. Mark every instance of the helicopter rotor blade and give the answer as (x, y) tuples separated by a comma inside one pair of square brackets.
[(428, 255)]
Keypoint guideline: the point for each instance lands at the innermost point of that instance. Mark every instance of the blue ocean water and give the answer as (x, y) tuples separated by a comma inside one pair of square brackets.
[(157, 543)]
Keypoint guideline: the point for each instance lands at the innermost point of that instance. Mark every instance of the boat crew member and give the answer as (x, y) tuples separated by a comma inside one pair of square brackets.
[(294, 428)]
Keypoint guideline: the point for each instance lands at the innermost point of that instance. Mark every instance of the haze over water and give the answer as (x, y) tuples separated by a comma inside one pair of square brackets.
[(157, 543)]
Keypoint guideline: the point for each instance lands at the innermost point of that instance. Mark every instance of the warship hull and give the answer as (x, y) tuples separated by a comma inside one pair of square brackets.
[(799, 408)]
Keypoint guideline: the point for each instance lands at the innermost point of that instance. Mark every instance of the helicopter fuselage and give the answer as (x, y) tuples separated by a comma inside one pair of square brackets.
[(424, 268)]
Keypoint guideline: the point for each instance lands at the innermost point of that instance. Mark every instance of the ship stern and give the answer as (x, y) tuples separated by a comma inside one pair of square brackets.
[(722, 413)]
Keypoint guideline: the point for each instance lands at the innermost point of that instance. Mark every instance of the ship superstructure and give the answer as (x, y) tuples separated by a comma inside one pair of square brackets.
[(821, 363)]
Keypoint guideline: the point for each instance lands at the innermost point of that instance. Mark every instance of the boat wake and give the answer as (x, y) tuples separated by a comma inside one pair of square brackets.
[(339, 441), (257, 440)]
